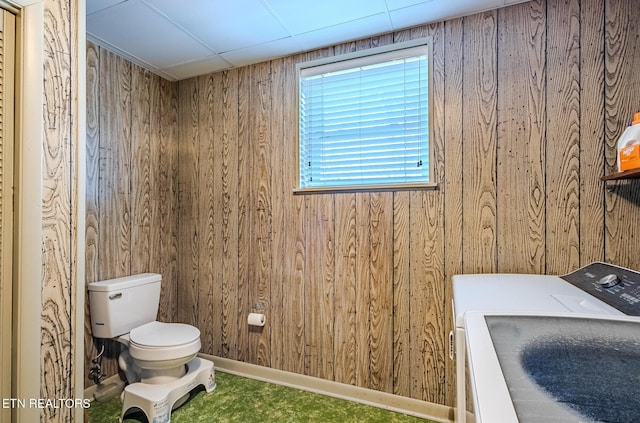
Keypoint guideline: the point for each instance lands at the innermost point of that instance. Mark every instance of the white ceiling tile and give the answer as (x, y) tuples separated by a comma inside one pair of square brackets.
[(96, 5), (438, 10), (399, 4), (306, 16), (202, 66), (337, 34), (176, 39), (262, 52), (224, 25), (143, 33)]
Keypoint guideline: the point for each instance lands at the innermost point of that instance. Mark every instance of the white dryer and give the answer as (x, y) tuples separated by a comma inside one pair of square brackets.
[(598, 289)]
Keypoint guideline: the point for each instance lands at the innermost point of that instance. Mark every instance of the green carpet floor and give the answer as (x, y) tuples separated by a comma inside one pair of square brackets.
[(238, 399)]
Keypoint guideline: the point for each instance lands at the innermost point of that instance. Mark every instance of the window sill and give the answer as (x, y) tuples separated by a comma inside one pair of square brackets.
[(365, 188)]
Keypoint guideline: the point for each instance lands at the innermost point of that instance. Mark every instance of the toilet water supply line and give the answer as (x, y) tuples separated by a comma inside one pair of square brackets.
[(95, 372)]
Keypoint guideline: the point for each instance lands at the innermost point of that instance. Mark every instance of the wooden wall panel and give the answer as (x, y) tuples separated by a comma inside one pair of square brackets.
[(260, 140), (319, 286), (453, 175), (140, 181), (205, 203), (115, 168), (59, 208), (229, 166), (562, 173), (164, 195), (592, 122), (131, 201), (345, 289), (294, 254), (188, 197), (381, 291), (278, 206), (528, 101), (521, 130), (92, 212), (244, 222), (480, 79)]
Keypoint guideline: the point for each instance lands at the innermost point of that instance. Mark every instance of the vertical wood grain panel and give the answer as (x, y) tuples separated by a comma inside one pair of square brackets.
[(140, 181), (453, 188), (521, 128), (563, 137), (59, 201), (92, 217), (92, 165), (345, 289), (279, 197), (205, 202), (622, 100), (219, 287), (381, 292), (115, 167), (401, 294), (363, 287), (591, 130), (167, 195), (480, 80), (319, 289), (260, 241), (293, 302), (230, 326), (188, 185), (244, 222), (157, 158)]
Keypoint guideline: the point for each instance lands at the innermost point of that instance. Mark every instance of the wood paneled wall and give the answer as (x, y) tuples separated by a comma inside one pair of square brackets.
[(529, 102), (131, 203), (59, 207)]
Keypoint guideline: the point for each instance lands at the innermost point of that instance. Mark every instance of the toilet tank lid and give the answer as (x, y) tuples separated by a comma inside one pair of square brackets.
[(124, 282)]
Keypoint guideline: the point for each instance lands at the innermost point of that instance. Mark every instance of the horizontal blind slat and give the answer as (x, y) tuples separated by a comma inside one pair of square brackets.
[(365, 125)]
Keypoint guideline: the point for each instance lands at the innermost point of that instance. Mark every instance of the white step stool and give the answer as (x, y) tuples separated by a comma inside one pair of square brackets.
[(156, 401)]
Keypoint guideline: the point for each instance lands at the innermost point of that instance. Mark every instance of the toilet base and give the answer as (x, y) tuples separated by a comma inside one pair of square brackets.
[(157, 401)]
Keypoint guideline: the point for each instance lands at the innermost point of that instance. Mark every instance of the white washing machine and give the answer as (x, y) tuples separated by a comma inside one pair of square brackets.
[(598, 290)]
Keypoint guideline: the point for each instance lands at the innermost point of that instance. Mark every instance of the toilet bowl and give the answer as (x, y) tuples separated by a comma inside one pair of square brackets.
[(158, 359), (161, 350), (125, 309)]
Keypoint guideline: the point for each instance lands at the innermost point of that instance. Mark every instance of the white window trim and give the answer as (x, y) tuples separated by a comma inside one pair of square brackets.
[(326, 64)]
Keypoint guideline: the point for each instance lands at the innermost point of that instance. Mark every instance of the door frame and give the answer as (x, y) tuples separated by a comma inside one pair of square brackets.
[(28, 215)]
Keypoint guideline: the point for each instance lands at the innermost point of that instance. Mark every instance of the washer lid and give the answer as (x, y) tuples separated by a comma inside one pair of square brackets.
[(158, 334)]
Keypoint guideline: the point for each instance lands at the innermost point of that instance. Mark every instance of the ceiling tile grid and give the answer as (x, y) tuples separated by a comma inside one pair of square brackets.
[(179, 40)]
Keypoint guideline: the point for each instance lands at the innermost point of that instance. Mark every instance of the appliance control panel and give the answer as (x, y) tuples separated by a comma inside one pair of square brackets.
[(616, 286)]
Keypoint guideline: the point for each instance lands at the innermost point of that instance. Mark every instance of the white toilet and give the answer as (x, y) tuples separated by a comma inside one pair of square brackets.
[(158, 359)]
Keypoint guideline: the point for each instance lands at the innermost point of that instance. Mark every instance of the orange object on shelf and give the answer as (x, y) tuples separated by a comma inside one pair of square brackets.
[(629, 146), (630, 157)]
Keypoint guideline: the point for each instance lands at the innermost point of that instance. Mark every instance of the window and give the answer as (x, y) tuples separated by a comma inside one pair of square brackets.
[(364, 120)]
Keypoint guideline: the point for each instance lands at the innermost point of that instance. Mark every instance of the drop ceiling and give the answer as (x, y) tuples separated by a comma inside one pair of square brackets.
[(181, 39)]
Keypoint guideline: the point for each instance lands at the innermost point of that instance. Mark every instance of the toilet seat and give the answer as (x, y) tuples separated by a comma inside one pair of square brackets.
[(158, 341)]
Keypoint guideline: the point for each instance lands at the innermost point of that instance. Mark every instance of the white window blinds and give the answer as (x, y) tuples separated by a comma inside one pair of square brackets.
[(364, 121)]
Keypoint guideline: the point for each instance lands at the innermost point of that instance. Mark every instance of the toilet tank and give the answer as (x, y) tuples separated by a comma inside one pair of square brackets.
[(118, 305)]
